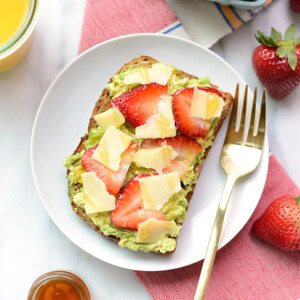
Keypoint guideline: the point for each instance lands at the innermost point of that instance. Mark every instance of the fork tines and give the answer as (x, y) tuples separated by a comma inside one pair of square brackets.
[(248, 120)]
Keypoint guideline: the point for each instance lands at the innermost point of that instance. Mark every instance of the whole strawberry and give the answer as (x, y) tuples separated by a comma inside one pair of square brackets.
[(276, 62), (279, 225), (295, 5)]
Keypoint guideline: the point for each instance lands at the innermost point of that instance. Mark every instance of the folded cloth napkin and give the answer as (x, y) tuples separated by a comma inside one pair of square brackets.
[(108, 19), (206, 22), (203, 21), (246, 268)]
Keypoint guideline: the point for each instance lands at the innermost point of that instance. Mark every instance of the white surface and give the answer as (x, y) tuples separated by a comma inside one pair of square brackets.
[(30, 243), (71, 117)]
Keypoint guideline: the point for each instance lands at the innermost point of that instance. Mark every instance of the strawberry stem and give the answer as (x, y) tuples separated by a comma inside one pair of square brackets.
[(286, 47)]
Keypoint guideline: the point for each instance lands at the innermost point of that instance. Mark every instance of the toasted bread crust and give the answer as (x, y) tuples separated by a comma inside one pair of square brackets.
[(103, 104)]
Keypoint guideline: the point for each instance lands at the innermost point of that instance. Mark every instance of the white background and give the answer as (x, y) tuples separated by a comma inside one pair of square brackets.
[(30, 243)]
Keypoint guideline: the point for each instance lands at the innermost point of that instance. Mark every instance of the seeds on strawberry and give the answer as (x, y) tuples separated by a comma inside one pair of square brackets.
[(193, 127), (140, 103), (129, 211), (186, 148), (279, 225), (113, 180), (276, 62)]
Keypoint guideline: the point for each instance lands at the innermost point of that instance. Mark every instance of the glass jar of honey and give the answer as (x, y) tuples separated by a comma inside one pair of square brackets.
[(58, 285), (17, 21)]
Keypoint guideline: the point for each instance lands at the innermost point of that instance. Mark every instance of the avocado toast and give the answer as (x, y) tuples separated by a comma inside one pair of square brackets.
[(146, 134)]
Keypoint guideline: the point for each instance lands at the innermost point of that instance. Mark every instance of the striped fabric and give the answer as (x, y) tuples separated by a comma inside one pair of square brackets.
[(236, 18), (119, 17), (207, 22), (112, 18)]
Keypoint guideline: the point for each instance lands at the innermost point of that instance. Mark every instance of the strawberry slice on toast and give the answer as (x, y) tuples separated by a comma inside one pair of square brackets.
[(193, 127), (140, 103), (186, 148), (129, 211), (113, 180)]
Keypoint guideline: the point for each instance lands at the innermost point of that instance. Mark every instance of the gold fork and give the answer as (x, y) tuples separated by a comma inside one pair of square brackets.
[(239, 157)]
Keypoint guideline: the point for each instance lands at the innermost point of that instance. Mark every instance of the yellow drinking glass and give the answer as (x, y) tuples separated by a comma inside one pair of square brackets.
[(17, 21)]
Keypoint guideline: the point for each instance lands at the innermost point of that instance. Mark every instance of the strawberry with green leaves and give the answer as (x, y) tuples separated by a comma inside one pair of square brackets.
[(280, 223), (276, 62)]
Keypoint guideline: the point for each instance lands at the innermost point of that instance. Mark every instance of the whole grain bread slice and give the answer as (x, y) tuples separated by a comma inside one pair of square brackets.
[(103, 104)]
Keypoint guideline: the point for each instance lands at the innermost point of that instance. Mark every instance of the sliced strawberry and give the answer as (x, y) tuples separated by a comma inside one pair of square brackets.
[(140, 103), (186, 148), (129, 211), (182, 100), (113, 180)]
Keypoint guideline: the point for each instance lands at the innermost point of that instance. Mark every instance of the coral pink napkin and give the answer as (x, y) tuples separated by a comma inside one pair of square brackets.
[(106, 19), (244, 269)]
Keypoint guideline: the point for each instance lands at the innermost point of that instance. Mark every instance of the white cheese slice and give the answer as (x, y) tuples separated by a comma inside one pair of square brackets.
[(156, 158), (152, 230), (157, 190), (206, 105), (199, 104), (110, 117), (113, 143), (140, 77), (96, 195), (159, 73), (161, 124)]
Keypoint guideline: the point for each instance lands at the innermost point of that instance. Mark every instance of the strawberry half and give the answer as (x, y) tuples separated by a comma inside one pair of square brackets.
[(113, 180), (186, 148), (193, 127), (129, 211), (140, 103), (279, 225)]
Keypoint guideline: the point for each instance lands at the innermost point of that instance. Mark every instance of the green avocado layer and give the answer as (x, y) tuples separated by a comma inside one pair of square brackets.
[(117, 87), (175, 208)]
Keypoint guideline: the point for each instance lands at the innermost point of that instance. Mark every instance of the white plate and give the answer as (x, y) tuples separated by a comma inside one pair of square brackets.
[(63, 118)]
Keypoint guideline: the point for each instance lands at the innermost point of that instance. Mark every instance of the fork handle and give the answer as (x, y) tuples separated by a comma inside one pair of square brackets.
[(214, 239)]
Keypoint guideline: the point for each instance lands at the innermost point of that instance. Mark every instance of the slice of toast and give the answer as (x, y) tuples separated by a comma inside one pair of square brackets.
[(103, 104)]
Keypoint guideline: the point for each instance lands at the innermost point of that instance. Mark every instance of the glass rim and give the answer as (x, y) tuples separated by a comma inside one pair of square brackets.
[(23, 32), (55, 275)]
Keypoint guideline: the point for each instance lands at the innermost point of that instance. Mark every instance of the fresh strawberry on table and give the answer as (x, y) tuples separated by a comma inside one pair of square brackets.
[(129, 211), (276, 61), (295, 5), (190, 126), (140, 103), (113, 180), (186, 148), (280, 223)]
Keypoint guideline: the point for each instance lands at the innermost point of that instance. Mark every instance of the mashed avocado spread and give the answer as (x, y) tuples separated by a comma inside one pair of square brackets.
[(175, 208)]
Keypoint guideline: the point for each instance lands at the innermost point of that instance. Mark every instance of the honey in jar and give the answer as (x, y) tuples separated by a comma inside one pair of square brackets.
[(58, 285), (58, 290)]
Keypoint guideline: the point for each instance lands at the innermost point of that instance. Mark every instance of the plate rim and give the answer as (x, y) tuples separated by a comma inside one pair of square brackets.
[(38, 115)]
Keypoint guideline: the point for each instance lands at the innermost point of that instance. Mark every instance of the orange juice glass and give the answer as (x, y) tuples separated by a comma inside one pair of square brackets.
[(17, 21)]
